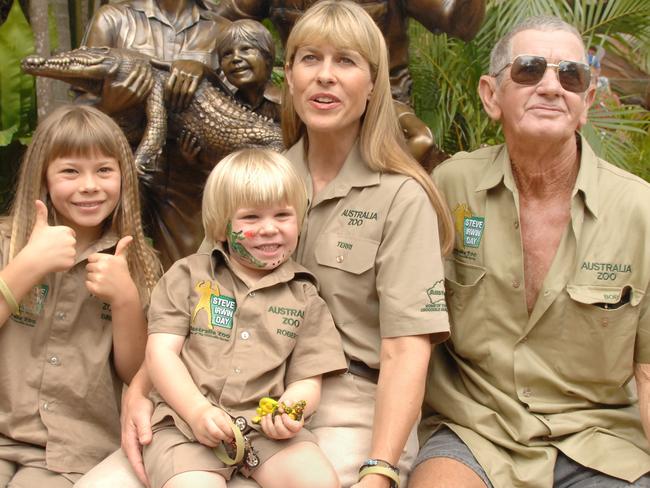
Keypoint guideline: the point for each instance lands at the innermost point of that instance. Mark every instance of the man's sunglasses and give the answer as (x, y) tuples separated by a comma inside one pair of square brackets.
[(526, 69)]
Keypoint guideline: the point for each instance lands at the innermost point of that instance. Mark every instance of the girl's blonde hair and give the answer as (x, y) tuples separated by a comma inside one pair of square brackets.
[(249, 178), (346, 25), (83, 131)]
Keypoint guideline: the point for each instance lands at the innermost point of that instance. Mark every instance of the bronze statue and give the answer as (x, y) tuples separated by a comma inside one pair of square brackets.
[(246, 55), (459, 18), (183, 33), (219, 124)]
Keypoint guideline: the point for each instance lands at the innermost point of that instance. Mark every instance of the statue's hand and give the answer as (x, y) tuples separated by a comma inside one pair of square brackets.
[(184, 79), (119, 96), (188, 145)]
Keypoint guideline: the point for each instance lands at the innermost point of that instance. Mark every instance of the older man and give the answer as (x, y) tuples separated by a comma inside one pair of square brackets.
[(547, 290)]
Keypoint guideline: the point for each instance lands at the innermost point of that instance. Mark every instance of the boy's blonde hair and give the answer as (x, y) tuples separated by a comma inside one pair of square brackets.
[(249, 178), (347, 25), (83, 131)]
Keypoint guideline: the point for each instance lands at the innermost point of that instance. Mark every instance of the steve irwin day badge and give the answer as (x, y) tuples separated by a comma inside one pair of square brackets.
[(468, 225)]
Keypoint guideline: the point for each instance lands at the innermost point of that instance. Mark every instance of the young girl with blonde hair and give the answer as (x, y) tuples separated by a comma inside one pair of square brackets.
[(76, 274)]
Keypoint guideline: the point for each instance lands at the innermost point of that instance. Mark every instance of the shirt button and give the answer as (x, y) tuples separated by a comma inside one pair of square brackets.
[(516, 224), (54, 360), (516, 284), (525, 339), (605, 322), (547, 293), (47, 406), (60, 315), (245, 335), (526, 392), (237, 370), (251, 294), (339, 259)]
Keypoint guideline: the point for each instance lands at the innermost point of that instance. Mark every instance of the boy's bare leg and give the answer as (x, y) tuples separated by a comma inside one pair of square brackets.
[(196, 479), (299, 465)]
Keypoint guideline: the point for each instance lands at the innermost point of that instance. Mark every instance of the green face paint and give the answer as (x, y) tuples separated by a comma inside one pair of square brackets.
[(233, 243)]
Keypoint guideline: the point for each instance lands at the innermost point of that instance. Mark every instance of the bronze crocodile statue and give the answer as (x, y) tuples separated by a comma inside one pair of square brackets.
[(220, 124)]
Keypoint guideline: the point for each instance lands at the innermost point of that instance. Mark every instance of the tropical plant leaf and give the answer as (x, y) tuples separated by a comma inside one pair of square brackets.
[(7, 135), (17, 99)]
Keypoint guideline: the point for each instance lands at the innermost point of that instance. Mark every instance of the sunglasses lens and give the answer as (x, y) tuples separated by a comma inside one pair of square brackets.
[(574, 77), (527, 70)]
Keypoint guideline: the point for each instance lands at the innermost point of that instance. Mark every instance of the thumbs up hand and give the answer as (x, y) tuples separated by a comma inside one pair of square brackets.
[(51, 248), (108, 275)]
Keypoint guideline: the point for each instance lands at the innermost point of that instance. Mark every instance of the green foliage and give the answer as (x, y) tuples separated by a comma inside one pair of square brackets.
[(17, 98), (446, 72)]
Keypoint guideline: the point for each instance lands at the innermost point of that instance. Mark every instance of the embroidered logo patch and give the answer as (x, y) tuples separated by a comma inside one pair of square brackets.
[(220, 308), (473, 231), (31, 306), (436, 297), (34, 301), (469, 226)]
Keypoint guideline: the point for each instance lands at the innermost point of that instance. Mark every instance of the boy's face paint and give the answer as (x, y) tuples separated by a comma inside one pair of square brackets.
[(84, 191), (263, 238)]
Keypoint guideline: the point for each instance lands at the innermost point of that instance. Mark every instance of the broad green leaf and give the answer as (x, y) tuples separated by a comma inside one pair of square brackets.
[(17, 99), (6, 135)]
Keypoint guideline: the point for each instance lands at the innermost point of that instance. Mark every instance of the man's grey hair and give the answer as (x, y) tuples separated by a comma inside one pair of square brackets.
[(501, 54)]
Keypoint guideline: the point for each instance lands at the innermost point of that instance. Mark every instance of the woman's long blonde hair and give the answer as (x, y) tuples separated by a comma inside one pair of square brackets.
[(347, 25), (81, 131)]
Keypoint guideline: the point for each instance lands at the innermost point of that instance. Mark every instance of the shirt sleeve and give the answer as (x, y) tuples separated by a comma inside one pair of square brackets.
[(410, 276), (642, 344), (318, 349), (169, 310)]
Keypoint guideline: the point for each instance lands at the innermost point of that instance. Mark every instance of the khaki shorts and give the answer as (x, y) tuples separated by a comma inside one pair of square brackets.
[(23, 466), (171, 453)]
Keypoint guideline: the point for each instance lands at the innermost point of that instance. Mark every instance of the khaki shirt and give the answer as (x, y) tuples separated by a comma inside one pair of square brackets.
[(58, 386), (141, 25), (243, 343), (514, 387), (372, 241)]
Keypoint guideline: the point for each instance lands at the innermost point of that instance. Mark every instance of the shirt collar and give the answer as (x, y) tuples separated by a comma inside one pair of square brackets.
[(354, 173), (586, 183), (106, 242), (151, 9), (284, 273)]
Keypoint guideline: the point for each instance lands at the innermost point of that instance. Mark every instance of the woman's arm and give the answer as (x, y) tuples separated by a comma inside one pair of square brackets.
[(400, 390)]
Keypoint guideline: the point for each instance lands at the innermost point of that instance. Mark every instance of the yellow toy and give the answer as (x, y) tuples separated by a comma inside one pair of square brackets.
[(270, 406)]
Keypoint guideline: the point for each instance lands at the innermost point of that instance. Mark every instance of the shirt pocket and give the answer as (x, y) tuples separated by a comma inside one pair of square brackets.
[(599, 331), (464, 296), (352, 254)]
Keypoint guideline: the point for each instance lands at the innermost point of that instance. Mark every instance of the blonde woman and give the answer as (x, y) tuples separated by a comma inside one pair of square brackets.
[(371, 236)]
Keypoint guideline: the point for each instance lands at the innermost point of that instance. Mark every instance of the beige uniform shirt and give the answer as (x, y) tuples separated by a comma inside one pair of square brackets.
[(141, 25), (372, 241), (514, 387), (243, 343), (58, 386)]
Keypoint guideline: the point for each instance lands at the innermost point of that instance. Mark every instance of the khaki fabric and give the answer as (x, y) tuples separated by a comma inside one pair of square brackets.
[(141, 25), (372, 241), (516, 387), (243, 343), (58, 387)]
